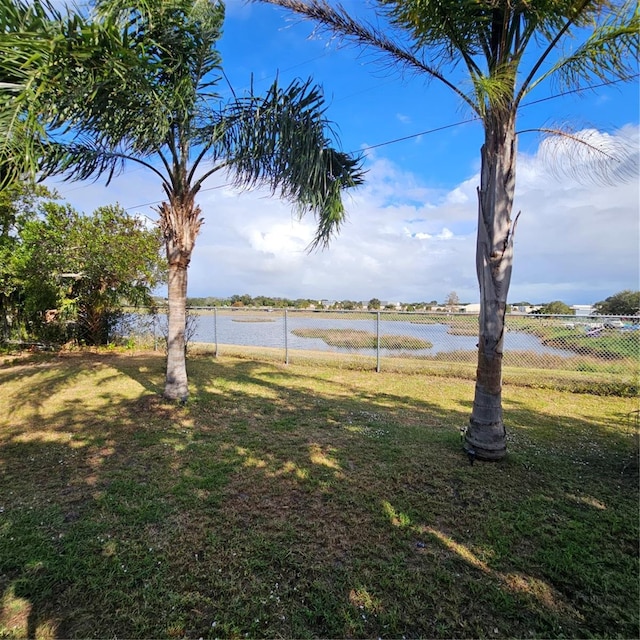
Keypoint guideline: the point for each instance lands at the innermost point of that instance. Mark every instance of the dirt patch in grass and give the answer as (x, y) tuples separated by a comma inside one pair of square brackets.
[(306, 502)]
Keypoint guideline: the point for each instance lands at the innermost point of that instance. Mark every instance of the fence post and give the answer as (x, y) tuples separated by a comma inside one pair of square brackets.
[(377, 342), (215, 332), (155, 332), (286, 337)]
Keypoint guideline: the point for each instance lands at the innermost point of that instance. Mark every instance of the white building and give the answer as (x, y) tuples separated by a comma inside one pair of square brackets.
[(473, 308), (583, 309)]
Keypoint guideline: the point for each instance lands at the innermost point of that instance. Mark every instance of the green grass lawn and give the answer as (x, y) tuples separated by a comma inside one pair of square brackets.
[(300, 501)]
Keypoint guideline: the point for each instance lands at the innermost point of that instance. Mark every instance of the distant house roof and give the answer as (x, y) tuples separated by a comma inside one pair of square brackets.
[(583, 309)]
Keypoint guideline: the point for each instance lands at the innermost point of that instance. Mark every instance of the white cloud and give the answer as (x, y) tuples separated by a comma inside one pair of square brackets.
[(576, 240), (404, 240)]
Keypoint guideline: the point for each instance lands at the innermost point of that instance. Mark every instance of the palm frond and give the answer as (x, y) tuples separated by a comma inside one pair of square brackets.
[(25, 33), (131, 82), (609, 53), (591, 156), (86, 158), (337, 22), (495, 91), (80, 160), (279, 140)]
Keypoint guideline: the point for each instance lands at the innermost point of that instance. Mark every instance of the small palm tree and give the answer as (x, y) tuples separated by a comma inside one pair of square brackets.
[(506, 49), (165, 115)]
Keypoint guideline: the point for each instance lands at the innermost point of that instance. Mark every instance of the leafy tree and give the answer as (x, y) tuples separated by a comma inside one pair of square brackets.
[(164, 114), (83, 268), (557, 307), (244, 300), (264, 301), (119, 258), (374, 303), (506, 48), (18, 203), (452, 301), (624, 303)]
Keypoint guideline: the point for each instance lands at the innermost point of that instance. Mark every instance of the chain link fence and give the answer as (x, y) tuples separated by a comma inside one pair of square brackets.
[(383, 340)]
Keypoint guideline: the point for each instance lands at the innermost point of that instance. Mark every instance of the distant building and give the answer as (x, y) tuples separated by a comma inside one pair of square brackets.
[(525, 308), (583, 309), (473, 308)]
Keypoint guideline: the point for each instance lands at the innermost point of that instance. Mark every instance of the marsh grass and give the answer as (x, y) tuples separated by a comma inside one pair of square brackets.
[(360, 339), (297, 501), (610, 344)]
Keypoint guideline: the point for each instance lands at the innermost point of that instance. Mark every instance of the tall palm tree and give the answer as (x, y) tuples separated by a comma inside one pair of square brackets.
[(489, 40), (165, 115)]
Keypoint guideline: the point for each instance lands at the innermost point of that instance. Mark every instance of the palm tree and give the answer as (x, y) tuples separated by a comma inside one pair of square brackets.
[(165, 115), (489, 40)]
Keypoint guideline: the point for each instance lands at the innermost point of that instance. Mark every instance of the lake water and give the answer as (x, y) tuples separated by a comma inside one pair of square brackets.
[(267, 332)]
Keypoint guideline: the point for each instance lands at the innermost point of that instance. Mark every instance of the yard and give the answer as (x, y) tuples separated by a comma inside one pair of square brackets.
[(299, 501)]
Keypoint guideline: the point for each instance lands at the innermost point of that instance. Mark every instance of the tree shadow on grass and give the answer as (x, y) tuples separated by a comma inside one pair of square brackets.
[(279, 503)]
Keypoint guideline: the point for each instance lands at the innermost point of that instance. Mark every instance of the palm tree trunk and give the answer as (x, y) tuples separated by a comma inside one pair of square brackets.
[(176, 385), (485, 437), (180, 222)]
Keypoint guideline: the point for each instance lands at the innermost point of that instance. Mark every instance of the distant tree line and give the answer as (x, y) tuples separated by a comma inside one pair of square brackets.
[(557, 307), (245, 300), (624, 303), (374, 304)]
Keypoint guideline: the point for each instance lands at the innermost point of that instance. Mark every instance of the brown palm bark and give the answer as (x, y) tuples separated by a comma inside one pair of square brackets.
[(485, 437), (180, 222)]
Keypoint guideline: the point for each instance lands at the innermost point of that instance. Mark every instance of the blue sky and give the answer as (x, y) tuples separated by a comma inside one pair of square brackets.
[(411, 229)]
